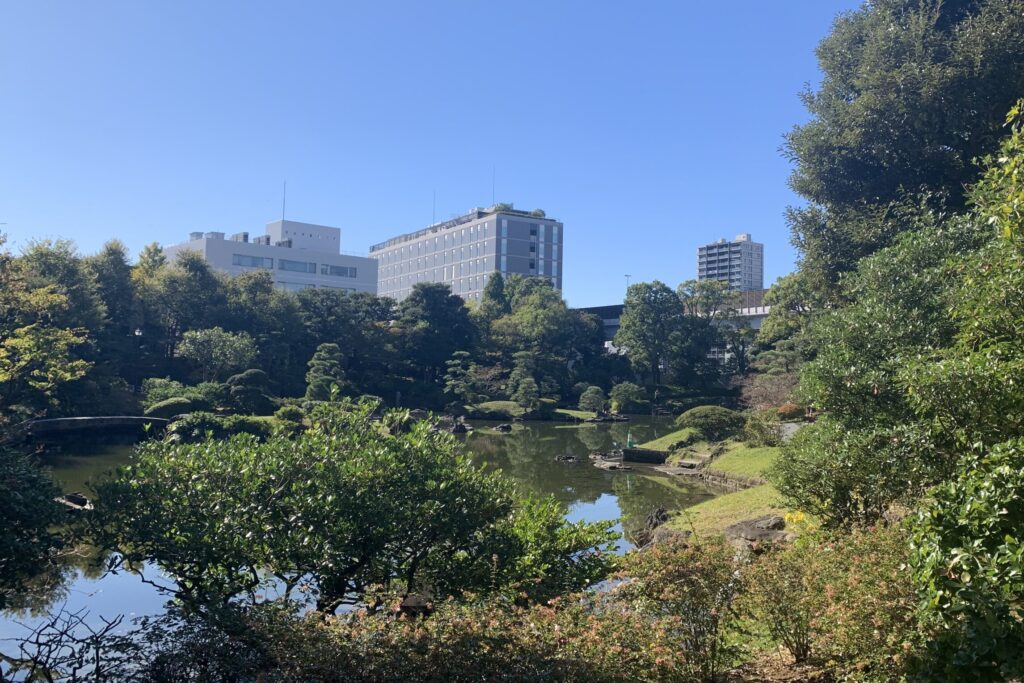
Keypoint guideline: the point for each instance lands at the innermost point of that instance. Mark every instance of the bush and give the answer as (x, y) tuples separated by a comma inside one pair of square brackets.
[(846, 601), (694, 584), (714, 422), (762, 428), (250, 378), (592, 399), (843, 476), (791, 411), (627, 397), (172, 407), (290, 413), (969, 564), (158, 389), (196, 426)]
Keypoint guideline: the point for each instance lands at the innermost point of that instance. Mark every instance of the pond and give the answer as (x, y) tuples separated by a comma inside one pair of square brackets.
[(528, 455)]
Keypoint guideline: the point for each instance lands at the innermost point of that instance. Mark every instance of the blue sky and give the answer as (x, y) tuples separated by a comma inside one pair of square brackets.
[(648, 128)]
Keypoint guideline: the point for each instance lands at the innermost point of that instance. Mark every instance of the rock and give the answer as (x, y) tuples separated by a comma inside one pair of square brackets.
[(459, 428), (565, 457), (752, 533), (655, 518), (503, 428)]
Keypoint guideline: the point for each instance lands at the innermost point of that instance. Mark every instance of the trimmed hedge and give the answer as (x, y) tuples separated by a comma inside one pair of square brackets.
[(714, 422)]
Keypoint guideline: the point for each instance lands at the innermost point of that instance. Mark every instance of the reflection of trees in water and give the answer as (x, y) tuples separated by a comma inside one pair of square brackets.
[(528, 455), (641, 492), (52, 585)]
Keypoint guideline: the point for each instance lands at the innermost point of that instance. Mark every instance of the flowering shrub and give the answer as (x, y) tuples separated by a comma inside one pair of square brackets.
[(790, 411), (691, 587), (844, 600)]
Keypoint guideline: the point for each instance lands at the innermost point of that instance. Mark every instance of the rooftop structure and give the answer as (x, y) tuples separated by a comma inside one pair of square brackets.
[(739, 263), (298, 256), (465, 251)]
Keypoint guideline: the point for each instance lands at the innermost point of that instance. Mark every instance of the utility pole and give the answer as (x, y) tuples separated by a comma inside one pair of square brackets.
[(627, 281)]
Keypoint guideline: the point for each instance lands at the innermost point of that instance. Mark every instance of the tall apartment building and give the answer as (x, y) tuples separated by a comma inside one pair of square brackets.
[(740, 263), (298, 256), (463, 252)]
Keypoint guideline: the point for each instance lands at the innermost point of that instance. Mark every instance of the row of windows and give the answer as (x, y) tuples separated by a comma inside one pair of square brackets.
[(457, 238), (247, 261)]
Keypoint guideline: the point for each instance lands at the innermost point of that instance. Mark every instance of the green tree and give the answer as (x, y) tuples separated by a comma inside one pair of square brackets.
[(527, 394), (325, 374), (217, 352), (593, 400), (913, 91), (341, 510), (493, 303), (458, 380), (651, 319), (151, 260), (627, 397), (434, 324)]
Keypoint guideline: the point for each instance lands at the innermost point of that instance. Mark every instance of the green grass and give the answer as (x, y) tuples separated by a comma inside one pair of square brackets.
[(713, 516), (499, 409), (746, 462), (578, 414), (663, 443)]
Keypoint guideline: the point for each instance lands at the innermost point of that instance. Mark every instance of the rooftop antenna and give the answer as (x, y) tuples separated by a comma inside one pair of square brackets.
[(627, 280), (494, 173), (433, 209), (284, 199)]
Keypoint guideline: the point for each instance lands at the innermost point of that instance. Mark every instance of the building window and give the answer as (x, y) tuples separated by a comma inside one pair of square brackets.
[(533, 265), (338, 271), (296, 266), (251, 261), (533, 231), (533, 248)]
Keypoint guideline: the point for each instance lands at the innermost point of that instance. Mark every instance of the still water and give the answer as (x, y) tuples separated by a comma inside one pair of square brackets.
[(527, 455)]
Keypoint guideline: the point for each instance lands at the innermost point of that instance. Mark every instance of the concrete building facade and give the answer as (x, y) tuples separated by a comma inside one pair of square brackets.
[(297, 255), (465, 251), (740, 263)]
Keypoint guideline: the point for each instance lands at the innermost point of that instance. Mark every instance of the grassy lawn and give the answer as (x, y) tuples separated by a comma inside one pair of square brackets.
[(578, 414), (713, 516), (662, 444), (499, 409), (746, 462)]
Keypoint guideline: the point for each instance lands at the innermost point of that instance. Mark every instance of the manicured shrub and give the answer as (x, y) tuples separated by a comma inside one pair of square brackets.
[(762, 428), (171, 407), (790, 411), (196, 426), (714, 422), (158, 389), (290, 413), (592, 399), (250, 378)]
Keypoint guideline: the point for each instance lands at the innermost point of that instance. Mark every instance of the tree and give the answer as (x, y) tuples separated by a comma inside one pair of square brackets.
[(493, 303), (527, 394), (151, 260), (325, 374), (738, 341), (627, 397), (37, 357), (651, 318), (434, 324), (913, 92), (216, 352), (458, 380), (337, 512), (592, 399)]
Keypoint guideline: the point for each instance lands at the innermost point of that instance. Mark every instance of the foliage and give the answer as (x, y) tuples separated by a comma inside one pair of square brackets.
[(28, 519), (458, 380), (693, 584), (178, 405), (714, 422), (845, 476), (790, 411), (527, 394), (290, 414), (844, 600), (342, 510), (216, 351), (433, 324), (999, 196), (627, 397), (968, 561), (913, 92), (198, 426), (592, 400), (325, 374), (762, 428), (651, 317)]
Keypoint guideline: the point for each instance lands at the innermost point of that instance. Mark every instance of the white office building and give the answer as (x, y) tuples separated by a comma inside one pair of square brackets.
[(465, 251), (740, 263), (297, 255)]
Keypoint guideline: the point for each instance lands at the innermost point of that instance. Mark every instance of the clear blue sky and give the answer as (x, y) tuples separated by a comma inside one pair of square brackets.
[(647, 128)]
